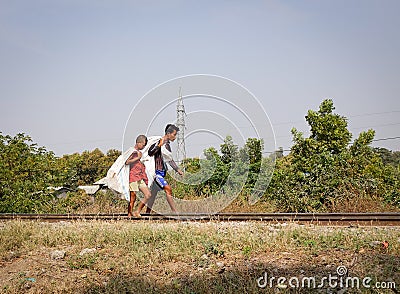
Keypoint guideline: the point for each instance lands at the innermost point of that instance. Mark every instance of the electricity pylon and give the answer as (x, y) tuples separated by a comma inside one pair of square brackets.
[(180, 123)]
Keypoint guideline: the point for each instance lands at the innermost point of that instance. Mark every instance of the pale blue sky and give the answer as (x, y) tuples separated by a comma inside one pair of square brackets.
[(71, 71)]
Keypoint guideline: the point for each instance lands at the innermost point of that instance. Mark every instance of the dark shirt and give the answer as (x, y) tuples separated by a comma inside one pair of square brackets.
[(155, 151)]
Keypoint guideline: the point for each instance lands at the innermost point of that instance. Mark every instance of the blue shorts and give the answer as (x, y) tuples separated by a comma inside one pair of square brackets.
[(161, 182)]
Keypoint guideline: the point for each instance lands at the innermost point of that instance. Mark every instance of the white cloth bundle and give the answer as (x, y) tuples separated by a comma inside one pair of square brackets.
[(117, 177)]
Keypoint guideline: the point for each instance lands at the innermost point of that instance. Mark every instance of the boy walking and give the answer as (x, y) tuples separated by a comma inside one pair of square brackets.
[(137, 176), (161, 167)]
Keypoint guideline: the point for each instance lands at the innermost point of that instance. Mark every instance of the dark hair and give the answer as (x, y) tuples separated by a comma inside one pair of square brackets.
[(141, 138), (170, 128)]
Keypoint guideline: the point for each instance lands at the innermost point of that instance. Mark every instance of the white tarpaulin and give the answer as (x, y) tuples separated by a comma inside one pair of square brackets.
[(118, 175)]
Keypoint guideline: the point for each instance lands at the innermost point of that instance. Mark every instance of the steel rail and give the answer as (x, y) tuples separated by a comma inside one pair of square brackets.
[(387, 218)]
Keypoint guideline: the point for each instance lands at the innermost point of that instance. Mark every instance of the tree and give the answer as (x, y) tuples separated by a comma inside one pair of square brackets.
[(86, 168), (277, 154), (93, 167), (388, 156), (26, 174), (323, 171), (220, 170), (70, 165), (329, 132), (252, 150), (229, 150)]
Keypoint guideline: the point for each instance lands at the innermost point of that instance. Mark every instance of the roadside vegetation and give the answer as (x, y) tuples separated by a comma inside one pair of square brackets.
[(328, 171)]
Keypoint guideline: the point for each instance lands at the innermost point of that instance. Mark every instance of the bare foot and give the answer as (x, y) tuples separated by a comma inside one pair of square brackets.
[(136, 214)]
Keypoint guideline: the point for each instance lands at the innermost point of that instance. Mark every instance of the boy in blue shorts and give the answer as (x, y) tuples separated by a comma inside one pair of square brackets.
[(161, 167)]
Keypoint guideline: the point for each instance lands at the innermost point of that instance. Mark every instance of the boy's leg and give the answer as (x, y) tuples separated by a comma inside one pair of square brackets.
[(150, 202), (147, 194), (131, 202), (163, 184), (168, 191)]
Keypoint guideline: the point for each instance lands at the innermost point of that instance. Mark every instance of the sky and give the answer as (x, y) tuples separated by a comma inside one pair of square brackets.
[(72, 72)]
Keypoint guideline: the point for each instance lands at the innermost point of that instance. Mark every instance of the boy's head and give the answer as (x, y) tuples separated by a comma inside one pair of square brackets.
[(171, 131), (141, 141)]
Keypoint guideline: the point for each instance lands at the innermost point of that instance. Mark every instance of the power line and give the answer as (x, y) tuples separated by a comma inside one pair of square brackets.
[(385, 139), (374, 113), (376, 126), (279, 150)]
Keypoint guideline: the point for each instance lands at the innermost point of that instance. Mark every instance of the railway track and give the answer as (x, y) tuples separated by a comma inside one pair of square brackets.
[(342, 219)]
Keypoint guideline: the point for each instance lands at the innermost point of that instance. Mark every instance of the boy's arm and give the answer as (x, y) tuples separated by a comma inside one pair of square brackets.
[(132, 159), (154, 148), (172, 163), (174, 166)]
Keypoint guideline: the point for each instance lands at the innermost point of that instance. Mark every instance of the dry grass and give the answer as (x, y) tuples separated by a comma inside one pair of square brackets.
[(185, 257), (362, 204), (346, 203)]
